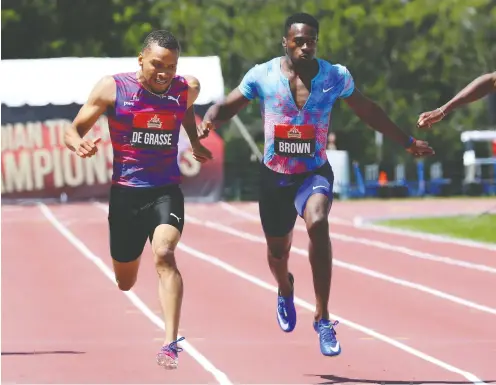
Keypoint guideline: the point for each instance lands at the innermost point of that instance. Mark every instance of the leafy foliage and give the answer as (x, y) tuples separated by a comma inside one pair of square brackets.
[(408, 55)]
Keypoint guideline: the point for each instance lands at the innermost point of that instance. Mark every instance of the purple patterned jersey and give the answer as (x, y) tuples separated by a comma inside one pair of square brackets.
[(144, 129)]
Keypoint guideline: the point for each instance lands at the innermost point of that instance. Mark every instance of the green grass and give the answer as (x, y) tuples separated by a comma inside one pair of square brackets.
[(478, 228)]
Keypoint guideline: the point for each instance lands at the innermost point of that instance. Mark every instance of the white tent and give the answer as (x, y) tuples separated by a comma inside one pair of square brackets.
[(478, 136), (62, 81)]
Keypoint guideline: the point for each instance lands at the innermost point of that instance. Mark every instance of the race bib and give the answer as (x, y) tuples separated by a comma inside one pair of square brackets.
[(294, 140), (153, 130)]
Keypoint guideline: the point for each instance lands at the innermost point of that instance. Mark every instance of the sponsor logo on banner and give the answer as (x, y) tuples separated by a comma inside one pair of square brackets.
[(36, 164)]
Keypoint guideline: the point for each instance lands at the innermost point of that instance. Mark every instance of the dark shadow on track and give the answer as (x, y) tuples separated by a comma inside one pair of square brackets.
[(41, 352), (332, 379)]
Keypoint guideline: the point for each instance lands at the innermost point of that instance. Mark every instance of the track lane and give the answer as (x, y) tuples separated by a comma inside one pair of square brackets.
[(471, 254), (216, 313), (251, 308), (364, 359), (399, 313), (474, 283), (59, 305)]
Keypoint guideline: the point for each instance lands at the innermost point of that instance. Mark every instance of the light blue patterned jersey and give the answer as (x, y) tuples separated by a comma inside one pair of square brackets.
[(295, 140)]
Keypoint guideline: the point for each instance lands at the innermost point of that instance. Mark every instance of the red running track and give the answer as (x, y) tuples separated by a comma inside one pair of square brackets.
[(64, 320)]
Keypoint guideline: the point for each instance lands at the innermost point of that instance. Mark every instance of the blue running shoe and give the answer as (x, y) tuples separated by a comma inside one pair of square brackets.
[(329, 345), (168, 355), (286, 312)]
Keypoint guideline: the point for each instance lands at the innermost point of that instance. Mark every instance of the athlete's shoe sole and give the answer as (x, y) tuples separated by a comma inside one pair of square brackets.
[(168, 357), (166, 361)]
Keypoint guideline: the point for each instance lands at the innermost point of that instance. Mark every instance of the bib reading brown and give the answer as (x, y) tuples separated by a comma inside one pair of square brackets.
[(294, 140)]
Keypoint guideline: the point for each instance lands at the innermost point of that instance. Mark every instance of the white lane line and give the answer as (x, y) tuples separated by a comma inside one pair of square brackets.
[(378, 244), (368, 223), (306, 305), (358, 269), (136, 301)]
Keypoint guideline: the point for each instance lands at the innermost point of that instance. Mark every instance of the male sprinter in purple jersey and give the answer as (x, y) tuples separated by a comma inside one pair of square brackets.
[(145, 111), (475, 90), (297, 92)]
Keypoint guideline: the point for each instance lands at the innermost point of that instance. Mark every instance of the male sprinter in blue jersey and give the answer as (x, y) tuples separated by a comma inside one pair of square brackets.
[(297, 92)]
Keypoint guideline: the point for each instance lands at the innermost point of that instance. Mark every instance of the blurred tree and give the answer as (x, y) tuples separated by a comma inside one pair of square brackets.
[(408, 55)]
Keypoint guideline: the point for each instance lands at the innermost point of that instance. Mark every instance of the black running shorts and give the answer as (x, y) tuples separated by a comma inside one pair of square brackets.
[(135, 212), (284, 196)]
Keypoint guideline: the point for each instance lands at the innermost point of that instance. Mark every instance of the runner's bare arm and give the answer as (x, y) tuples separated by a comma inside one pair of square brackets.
[(101, 96), (221, 112), (189, 121), (200, 153), (372, 114), (475, 90)]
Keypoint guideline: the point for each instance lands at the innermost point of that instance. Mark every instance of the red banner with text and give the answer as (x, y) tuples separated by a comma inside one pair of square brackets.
[(37, 165)]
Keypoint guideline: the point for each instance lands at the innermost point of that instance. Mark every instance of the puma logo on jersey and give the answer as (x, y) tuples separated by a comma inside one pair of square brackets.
[(175, 99)]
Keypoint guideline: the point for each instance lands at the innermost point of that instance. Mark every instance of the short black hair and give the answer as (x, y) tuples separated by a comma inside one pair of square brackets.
[(163, 38), (301, 18)]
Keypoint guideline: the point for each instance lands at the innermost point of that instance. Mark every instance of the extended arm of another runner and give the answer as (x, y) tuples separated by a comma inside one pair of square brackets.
[(372, 114), (475, 90), (101, 96), (200, 153), (478, 88)]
